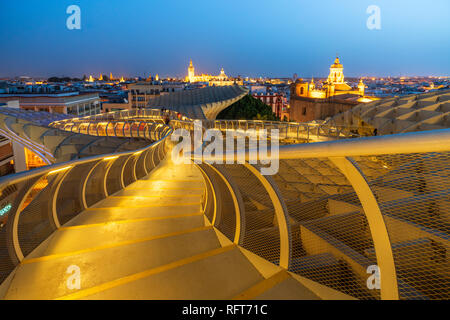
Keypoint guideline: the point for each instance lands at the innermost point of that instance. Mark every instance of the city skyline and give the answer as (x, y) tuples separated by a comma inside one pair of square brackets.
[(255, 150), (181, 77), (249, 39)]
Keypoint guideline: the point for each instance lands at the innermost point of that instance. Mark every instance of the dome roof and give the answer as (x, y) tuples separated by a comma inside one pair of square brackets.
[(336, 63)]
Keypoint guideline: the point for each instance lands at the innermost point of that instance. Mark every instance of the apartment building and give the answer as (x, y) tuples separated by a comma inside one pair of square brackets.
[(73, 103)]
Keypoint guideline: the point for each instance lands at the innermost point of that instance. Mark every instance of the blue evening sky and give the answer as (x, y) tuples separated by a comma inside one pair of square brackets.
[(246, 37)]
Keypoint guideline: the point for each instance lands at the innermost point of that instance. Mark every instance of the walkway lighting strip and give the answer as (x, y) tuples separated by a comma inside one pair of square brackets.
[(59, 170), (110, 158)]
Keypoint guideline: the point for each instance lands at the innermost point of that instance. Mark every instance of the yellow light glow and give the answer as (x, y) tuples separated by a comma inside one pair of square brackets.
[(33, 160), (364, 100), (317, 94), (110, 158), (59, 170), (137, 153)]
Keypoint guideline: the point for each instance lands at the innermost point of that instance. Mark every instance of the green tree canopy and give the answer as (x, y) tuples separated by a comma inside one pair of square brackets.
[(248, 108)]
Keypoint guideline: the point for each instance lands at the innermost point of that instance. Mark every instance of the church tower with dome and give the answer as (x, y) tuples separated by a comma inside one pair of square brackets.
[(317, 100), (336, 72), (191, 72), (334, 85)]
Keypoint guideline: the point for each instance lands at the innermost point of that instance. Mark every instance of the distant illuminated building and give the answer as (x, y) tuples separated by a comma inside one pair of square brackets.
[(335, 85), (221, 80), (75, 103), (140, 92), (277, 101), (191, 73), (310, 102)]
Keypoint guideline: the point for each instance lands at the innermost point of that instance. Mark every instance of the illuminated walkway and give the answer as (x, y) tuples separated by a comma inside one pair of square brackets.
[(138, 226), (164, 248)]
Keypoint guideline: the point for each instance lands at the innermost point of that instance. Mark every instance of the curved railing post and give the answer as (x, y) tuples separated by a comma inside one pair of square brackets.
[(162, 154), (155, 156), (60, 180), (122, 181), (214, 203), (152, 157), (105, 178), (158, 152), (13, 245), (378, 230), (83, 188), (145, 162), (136, 160), (280, 212), (237, 202)]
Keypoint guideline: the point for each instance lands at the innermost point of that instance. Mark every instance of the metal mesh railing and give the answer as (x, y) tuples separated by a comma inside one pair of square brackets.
[(333, 212), (329, 230), (13, 197), (331, 199), (414, 198), (35, 223), (69, 202), (367, 217), (226, 214), (260, 232), (95, 184), (38, 202), (306, 132), (128, 174)]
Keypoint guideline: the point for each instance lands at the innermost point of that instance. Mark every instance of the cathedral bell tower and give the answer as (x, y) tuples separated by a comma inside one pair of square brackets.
[(191, 72), (336, 72)]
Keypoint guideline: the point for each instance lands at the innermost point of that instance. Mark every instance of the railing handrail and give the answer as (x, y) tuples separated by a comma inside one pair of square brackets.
[(98, 117), (284, 123), (22, 176), (411, 142), (115, 116), (414, 142)]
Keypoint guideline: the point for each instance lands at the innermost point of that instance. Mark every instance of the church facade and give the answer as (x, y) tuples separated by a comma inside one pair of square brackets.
[(334, 85), (310, 102)]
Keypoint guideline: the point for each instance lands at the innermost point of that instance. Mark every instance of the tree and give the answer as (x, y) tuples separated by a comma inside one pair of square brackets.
[(248, 108)]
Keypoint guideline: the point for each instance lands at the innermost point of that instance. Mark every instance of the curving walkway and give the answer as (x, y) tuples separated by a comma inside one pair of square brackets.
[(164, 248)]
